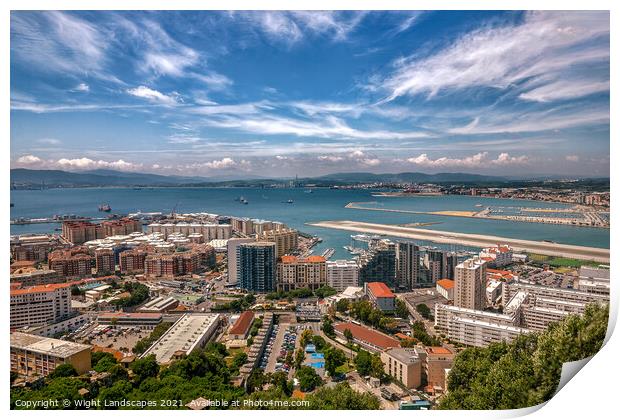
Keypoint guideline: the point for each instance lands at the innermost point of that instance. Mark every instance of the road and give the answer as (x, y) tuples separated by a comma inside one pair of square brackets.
[(474, 240)]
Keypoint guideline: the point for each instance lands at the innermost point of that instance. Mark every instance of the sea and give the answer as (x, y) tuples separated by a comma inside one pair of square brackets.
[(298, 206)]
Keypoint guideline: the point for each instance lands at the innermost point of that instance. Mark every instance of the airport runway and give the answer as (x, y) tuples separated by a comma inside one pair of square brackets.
[(481, 241)]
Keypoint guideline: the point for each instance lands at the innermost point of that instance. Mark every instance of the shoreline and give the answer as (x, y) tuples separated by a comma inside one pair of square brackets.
[(475, 215), (601, 255)]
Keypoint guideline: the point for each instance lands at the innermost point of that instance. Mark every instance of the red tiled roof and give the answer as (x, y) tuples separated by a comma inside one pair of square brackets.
[(446, 283), (438, 350), (242, 324), (368, 335), (380, 290), (40, 289)]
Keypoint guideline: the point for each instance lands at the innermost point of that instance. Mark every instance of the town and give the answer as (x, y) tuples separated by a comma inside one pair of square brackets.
[(112, 295)]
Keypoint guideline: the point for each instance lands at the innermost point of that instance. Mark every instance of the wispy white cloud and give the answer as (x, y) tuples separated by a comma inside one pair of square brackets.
[(82, 163), (545, 44), (290, 27)]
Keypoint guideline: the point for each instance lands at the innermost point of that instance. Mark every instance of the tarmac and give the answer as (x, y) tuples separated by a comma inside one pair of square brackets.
[(466, 239)]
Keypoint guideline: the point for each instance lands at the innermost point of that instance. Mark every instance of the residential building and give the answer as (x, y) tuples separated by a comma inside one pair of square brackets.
[(342, 274), (78, 232), (32, 276), (470, 284), (380, 296), (408, 265), (435, 362), (594, 280), (231, 252), (32, 247), (132, 261), (39, 305), (297, 273), (404, 365), (285, 240), (436, 261), (378, 265), (105, 261), (500, 255), (74, 262), (123, 226), (256, 266), (36, 356)]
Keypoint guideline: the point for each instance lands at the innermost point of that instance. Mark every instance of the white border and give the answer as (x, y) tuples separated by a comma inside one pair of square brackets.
[(590, 394)]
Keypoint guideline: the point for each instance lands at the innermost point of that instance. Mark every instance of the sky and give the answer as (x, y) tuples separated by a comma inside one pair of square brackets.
[(254, 94)]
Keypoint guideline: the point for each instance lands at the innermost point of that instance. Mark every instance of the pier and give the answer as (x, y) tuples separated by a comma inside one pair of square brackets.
[(467, 239)]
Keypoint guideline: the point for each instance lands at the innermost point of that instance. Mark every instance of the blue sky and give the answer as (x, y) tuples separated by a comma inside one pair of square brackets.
[(243, 94)]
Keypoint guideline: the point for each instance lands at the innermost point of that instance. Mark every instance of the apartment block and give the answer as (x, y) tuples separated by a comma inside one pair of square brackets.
[(39, 305), (297, 273), (342, 274), (132, 261), (35, 356), (74, 262), (470, 284), (404, 365), (105, 262), (286, 240)]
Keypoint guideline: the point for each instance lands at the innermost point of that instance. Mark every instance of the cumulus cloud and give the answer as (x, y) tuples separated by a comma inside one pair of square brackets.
[(153, 95), (478, 160), (28, 159), (572, 158), (82, 163)]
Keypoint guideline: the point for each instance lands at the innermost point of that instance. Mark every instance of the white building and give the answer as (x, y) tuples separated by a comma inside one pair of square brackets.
[(40, 305), (231, 246), (594, 280), (342, 274), (188, 333), (500, 254), (470, 284)]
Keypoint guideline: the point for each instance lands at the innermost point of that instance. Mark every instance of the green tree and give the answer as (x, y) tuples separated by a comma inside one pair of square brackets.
[(342, 305), (308, 378), (527, 371), (306, 338), (239, 359), (348, 335), (363, 362), (328, 327), (299, 358), (104, 363), (424, 310), (145, 367), (342, 397), (64, 370), (401, 309), (334, 358)]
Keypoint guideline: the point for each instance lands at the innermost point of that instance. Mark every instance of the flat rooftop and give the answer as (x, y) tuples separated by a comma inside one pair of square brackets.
[(183, 336), (44, 345)]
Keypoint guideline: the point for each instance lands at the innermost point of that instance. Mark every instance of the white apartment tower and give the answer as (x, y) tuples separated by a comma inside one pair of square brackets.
[(470, 284)]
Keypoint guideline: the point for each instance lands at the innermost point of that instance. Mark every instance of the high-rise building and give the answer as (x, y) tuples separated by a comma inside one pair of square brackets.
[(470, 284), (104, 261), (74, 262), (342, 274), (297, 273), (408, 265), (256, 266), (132, 261), (231, 248), (123, 226), (78, 232), (436, 262), (285, 240), (379, 264), (452, 261), (40, 305), (32, 247)]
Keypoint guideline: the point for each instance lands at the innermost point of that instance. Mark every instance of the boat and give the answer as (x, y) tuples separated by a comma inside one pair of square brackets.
[(478, 205), (308, 191), (12, 205), (289, 201), (105, 207)]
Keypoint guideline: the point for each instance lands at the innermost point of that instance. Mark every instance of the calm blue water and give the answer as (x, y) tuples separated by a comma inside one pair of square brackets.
[(322, 204)]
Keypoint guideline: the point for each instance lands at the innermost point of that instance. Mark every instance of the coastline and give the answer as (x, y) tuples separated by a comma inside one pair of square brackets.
[(601, 255)]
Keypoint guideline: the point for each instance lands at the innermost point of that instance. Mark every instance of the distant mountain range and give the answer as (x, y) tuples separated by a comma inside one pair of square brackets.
[(31, 178)]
